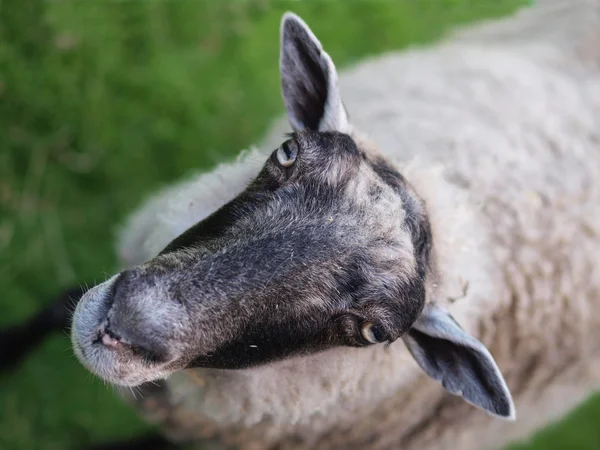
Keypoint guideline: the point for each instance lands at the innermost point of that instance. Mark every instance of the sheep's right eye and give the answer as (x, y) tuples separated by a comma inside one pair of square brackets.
[(371, 333), (286, 154)]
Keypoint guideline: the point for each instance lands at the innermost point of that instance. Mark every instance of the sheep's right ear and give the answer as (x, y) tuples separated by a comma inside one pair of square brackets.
[(309, 81), (460, 362)]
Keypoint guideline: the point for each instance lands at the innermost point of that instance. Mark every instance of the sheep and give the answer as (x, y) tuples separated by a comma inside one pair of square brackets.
[(477, 179)]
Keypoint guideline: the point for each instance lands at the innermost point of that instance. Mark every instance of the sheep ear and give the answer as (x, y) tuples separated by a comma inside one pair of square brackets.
[(460, 362), (309, 81)]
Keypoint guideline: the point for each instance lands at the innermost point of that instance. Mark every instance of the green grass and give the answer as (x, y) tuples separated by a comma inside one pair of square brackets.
[(102, 102)]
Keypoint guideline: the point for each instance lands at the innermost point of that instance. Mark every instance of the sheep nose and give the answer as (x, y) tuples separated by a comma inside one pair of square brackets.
[(110, 339)]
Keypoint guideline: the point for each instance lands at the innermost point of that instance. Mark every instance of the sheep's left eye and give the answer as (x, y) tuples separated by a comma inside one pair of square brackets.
[(286, 154), (371, 333)]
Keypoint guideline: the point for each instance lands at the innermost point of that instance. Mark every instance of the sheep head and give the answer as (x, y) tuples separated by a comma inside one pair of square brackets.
[(328, 246)]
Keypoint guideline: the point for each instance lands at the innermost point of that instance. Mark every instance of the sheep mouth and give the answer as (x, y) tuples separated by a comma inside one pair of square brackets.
[(123, 366), (112, 341)]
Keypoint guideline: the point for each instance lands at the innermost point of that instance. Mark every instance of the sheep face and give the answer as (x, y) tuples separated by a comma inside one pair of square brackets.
[(326, 247), (329, 246)]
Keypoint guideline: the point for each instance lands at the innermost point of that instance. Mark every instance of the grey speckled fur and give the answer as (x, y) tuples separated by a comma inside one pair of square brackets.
[(498, 130)]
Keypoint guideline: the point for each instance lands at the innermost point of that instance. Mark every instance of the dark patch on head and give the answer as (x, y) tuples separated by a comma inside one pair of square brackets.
[(352, 278), (267, 341)]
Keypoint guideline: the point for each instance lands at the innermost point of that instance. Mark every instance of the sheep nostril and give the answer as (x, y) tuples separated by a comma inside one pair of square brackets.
[(109, 340), (107, 337)]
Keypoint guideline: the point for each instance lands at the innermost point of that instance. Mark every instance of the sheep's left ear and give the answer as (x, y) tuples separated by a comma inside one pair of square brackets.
[(460, 362), (309, 81)]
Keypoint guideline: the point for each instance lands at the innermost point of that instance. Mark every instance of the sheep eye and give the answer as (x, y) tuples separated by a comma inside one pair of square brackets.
[(371, 333), (286, 154)]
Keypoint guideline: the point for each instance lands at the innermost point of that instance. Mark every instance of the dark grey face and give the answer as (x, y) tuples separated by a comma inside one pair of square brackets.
[(302, 259), (328, 247)]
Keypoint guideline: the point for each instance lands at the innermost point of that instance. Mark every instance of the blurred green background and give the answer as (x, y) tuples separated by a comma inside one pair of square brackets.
[(102, 102)]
